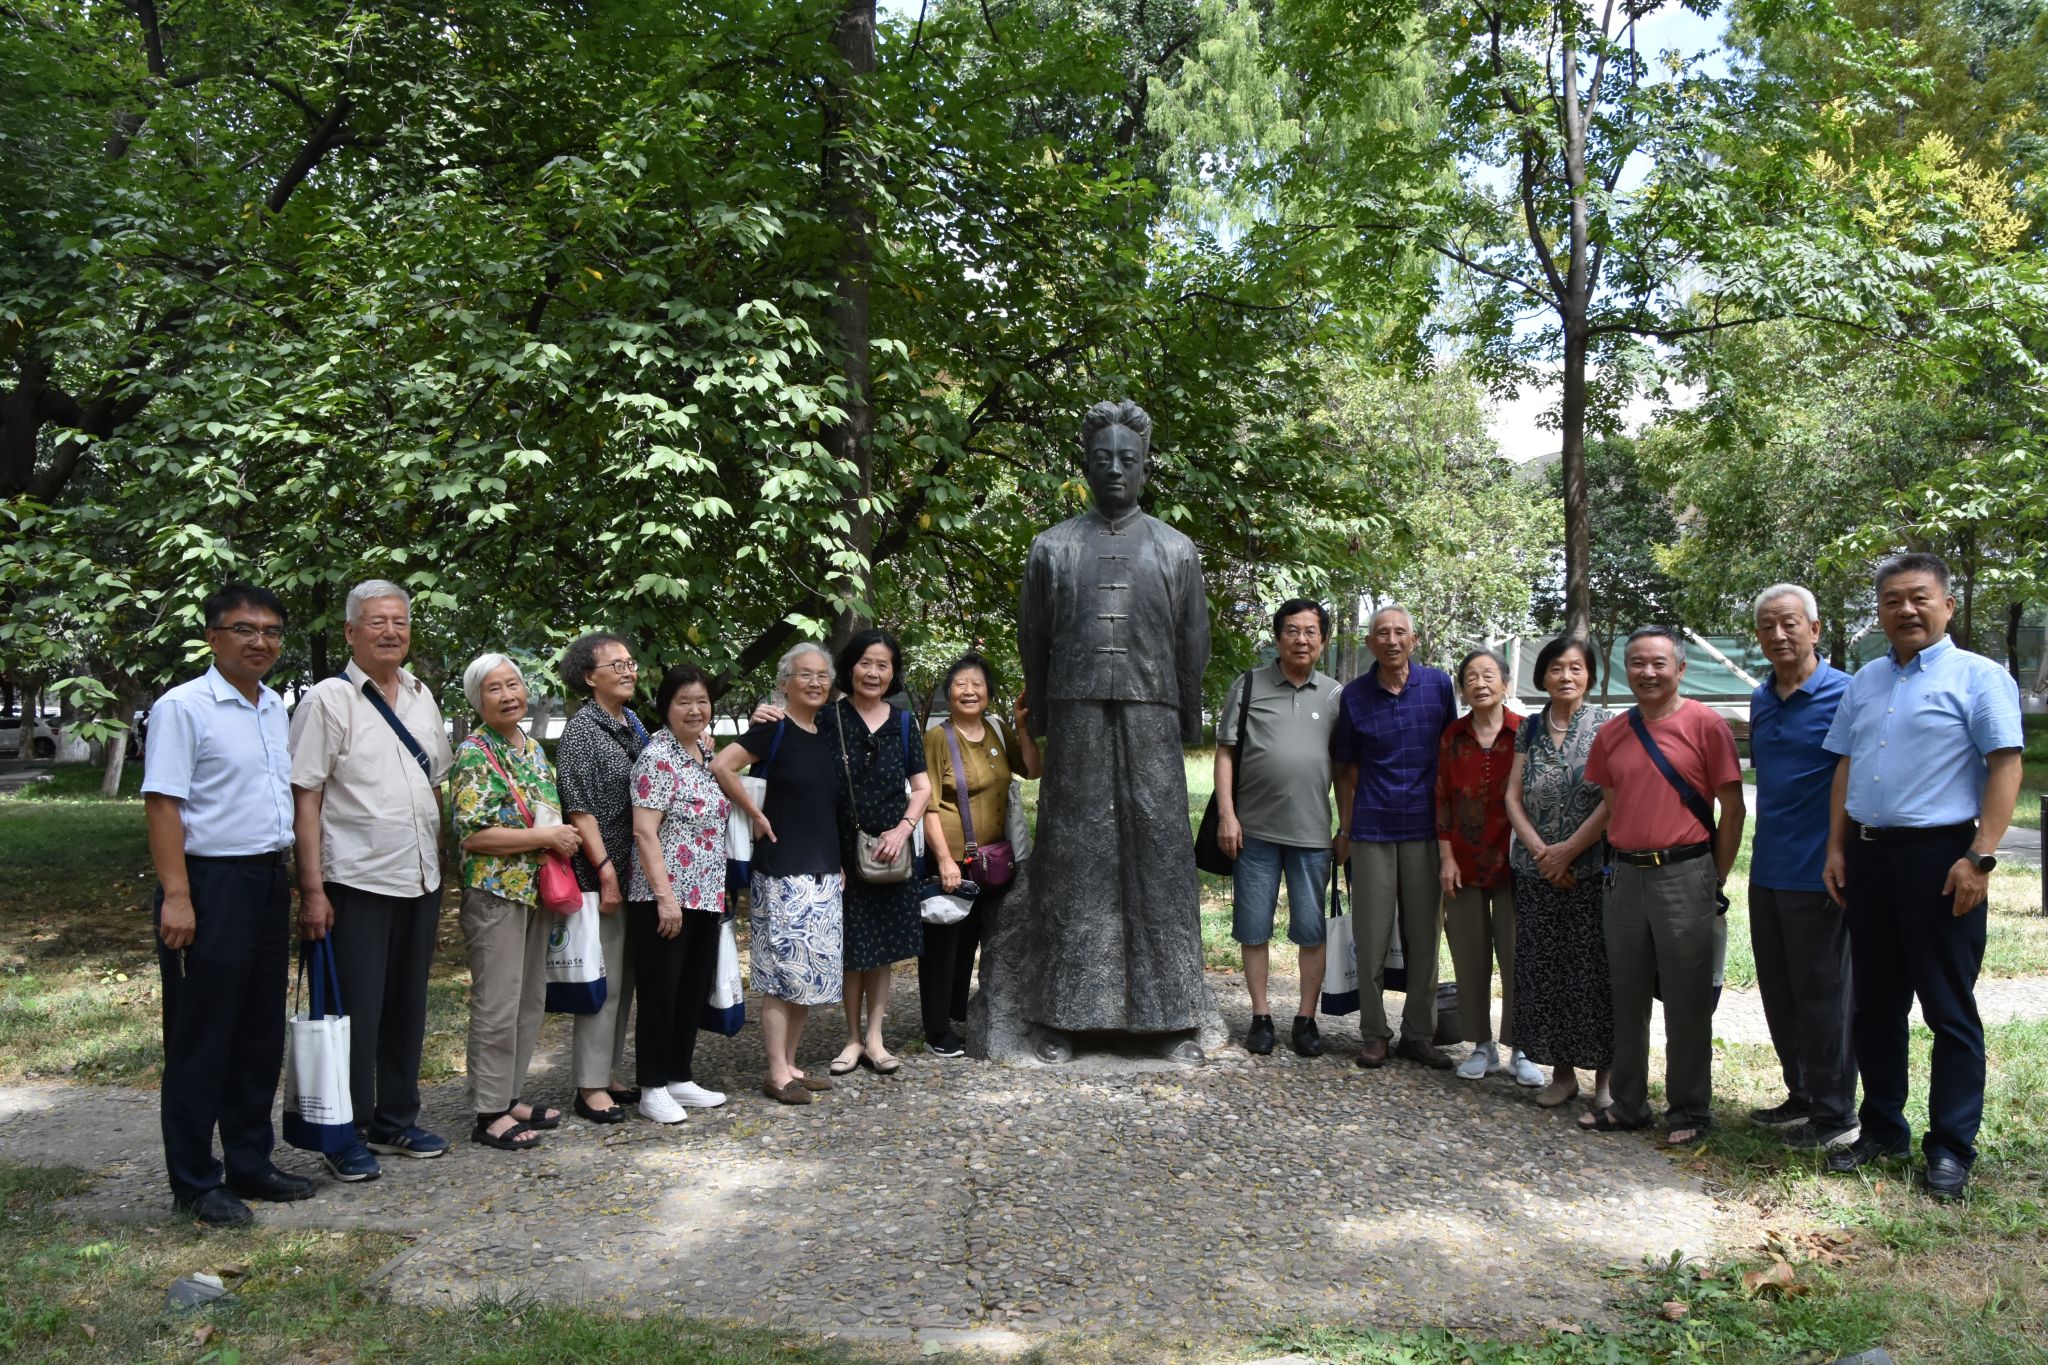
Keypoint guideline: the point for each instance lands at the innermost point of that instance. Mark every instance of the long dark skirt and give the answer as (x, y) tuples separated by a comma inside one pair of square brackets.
[(1115, 901), (1564, 1008)]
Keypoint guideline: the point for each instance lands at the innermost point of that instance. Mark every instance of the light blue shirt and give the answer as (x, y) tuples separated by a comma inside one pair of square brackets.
[(227, 762), (1916, 736)]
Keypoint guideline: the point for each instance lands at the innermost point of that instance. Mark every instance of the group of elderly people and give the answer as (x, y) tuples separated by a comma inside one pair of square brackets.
[(1579, 850)]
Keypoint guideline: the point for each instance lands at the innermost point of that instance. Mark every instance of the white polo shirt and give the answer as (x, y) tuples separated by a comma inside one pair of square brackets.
[(226, 762)]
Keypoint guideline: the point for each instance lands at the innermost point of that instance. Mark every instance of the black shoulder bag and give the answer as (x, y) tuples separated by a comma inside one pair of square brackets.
[(1701, 808), (1209, 854)]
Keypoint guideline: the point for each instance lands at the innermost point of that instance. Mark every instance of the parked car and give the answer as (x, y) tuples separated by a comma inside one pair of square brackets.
[(42, 739)]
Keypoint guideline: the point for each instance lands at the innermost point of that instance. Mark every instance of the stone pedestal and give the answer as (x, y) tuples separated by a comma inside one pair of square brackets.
[(998, 1031)]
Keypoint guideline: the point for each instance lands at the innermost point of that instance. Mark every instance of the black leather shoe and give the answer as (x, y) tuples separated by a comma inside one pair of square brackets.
[(1308, 1039), (1258, 1040), (273, 1186), (1945, 1179), (216, 1209), (1862, 1152)]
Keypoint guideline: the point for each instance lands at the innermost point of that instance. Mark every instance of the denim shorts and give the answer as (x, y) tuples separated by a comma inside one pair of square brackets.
[(1255, 887)]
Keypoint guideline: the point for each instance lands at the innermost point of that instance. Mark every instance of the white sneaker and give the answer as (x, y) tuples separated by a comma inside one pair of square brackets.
[(658, 1106), (691, 1095), (1525, 1071), (1482, 1060)]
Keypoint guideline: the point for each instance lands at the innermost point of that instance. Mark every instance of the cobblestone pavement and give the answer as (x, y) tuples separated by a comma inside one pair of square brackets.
[(963, 1203)]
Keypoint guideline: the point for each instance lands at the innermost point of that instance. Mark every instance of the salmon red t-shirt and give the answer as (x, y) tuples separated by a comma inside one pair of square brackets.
[(1647, 812)]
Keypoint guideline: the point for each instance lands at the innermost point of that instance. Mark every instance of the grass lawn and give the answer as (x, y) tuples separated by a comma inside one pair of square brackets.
[(1868, 1260)]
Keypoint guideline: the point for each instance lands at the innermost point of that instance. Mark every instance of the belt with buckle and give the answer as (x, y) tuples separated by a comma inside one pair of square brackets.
[(1659, 857), (1914, 834)]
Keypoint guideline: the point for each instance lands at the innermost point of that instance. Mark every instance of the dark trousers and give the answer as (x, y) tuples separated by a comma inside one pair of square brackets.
[(1801, 942), (224, 1005), (672, 977), (1904, 942), (945, 969), (383, 949)]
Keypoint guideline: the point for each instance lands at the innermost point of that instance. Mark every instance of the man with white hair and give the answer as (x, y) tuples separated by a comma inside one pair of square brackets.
[(368, 759), (1800, 936), (1383, 750)]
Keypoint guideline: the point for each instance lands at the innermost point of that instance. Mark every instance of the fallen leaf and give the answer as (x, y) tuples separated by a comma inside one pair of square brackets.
[(1778, 1279), (92, 1333), (1672, 1310), (204, 1333), (229, 1272), (1568, 1328)]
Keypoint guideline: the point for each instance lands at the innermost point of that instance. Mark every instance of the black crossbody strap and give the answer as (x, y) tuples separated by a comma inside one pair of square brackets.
[(1244, 712), (1702, 810), (412, 746)]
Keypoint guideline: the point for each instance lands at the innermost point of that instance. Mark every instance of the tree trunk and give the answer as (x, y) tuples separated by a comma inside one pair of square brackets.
[(2015, 616), (1578, 534), (117, 745), (846, 201)]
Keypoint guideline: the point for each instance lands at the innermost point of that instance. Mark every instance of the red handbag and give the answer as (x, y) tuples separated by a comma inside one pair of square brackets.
[(558, 887)]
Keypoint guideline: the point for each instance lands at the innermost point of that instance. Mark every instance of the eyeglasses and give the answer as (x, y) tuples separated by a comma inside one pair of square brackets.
[(1302, 633), (242, 630), (811, 676), (625, 668)]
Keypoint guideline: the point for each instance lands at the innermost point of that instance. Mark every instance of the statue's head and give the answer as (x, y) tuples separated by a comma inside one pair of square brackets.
[(1116, 441)]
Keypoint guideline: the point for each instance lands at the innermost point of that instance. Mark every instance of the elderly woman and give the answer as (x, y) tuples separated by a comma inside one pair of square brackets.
[(883, 781), (1475, 759), (1563, 1009), (595, 760), (989, 753), (795, 897), (504, 809), (677, 898)]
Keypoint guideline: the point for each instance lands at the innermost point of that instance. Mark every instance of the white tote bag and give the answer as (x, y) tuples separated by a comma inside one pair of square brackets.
[(575, 964), (726, 1011), (1340, 971), (318, 1116)]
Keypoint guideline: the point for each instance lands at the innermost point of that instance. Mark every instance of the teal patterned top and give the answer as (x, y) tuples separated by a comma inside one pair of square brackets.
[(479, 799)]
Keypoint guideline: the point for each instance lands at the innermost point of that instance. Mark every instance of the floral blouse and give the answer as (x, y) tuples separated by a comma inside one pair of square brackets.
[(1555, 793), (1471, 799), (479, 799), (669, 778)]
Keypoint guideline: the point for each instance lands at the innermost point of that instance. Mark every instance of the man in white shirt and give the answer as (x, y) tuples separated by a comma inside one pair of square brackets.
[(216, 791), (368, 759)]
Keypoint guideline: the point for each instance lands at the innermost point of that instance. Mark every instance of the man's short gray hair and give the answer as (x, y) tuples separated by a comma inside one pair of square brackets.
[(481, 667), (786, 669), (1778, 590), (1373, 624), (371, 590)]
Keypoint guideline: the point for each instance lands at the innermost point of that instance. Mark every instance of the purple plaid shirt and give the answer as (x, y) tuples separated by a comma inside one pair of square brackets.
[(1393, 739)]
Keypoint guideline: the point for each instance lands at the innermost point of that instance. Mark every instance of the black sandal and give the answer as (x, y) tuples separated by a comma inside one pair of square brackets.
[(507, 1141), (543, 1118), (1603, 1121)]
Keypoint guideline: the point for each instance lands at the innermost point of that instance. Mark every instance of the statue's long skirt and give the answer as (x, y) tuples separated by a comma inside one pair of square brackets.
[(1115, 899)]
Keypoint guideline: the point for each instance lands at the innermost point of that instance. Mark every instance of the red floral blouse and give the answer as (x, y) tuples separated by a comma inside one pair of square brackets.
[(1471, 799)]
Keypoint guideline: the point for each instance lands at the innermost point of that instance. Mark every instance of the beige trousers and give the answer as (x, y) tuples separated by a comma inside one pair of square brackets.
[(1479, 927), (599, 1049), (1393, 884), (507, 947)]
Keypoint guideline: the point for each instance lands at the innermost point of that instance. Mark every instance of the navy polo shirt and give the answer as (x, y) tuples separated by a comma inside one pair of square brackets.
[(1794, 775)]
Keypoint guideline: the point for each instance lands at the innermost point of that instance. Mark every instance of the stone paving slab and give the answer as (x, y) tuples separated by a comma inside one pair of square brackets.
[(966, 1198)]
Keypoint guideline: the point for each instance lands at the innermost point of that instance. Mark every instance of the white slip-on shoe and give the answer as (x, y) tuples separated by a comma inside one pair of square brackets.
[(1482, 1060), (1525, 1071), (658, 1106), (691, 1095)]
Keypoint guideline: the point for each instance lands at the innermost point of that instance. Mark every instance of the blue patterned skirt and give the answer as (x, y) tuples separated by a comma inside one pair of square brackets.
[(796, 935)]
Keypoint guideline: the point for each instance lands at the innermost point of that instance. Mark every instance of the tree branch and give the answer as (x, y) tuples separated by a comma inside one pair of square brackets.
[(324, 138)]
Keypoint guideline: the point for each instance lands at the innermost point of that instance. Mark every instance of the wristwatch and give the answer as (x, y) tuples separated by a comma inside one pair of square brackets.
[(1983, 862)]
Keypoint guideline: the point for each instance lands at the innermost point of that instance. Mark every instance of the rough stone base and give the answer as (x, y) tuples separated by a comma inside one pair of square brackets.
[(997, 1030)]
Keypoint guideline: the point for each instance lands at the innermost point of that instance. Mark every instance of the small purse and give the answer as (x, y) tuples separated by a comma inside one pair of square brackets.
[(994, 864), (870, 866), (557, 886)]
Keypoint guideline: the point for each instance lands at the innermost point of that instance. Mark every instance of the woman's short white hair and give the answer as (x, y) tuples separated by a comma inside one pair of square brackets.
[(786, 669), (481, 667), (372, 590), (1778, 590)]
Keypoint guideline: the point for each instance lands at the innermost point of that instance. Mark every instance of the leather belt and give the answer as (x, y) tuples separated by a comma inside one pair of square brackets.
[(1660, 857), (275, 859), (1914, 834)]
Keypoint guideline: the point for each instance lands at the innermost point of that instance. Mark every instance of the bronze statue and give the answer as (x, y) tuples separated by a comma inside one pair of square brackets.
[(1113, 627)]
